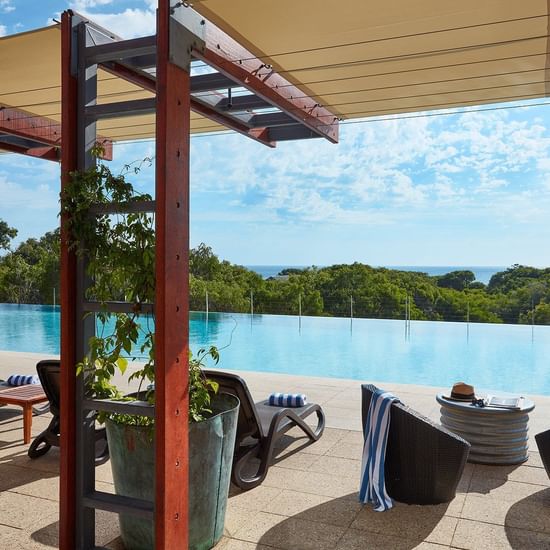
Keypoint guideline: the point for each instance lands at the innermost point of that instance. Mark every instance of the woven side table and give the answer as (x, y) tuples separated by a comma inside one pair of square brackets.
[(497, 435)]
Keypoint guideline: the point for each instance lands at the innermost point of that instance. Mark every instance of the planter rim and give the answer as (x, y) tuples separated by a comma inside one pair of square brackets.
[(226, 396)]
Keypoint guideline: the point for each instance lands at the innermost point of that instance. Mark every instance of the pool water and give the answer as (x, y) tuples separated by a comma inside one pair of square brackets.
[(501, 357)]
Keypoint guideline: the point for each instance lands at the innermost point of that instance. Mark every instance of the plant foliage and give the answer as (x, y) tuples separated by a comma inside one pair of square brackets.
[(118, 250)]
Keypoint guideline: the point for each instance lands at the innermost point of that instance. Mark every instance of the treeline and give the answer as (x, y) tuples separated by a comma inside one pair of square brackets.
[(30, 273), (520, 294)]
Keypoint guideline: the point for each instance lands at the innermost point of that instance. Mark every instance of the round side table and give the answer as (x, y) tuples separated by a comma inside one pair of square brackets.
[(497, 435)]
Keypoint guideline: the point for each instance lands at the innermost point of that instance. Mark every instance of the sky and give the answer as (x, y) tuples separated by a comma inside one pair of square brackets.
[(463, 189)]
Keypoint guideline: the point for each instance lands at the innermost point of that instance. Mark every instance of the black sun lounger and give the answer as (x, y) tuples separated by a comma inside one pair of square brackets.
[(49, 372), (259, 427)]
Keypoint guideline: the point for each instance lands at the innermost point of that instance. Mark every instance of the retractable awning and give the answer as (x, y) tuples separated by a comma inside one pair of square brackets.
[(362, 58)]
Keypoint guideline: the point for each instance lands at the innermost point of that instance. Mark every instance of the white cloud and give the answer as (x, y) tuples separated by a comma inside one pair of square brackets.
[(81, 5), (6, 6), (3, 30), (38, 197), (129, 23)]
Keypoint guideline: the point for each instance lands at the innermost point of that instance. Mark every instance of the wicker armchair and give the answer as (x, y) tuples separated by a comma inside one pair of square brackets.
[(543, 444), (424, 461)]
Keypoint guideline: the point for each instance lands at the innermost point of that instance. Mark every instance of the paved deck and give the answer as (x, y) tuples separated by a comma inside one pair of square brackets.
[(309, 499)]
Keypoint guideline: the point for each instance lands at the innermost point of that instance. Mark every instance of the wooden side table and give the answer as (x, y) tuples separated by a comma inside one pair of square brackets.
[(25, 397)]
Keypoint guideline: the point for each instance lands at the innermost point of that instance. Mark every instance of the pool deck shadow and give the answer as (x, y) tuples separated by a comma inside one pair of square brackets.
[(309, 497)]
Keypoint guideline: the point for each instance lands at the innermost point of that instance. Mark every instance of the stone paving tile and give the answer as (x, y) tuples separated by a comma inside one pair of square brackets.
[(311, 482), (466, 479), (523, 473), (237, 517), (21, 539), (309, 499), (355, 539), (340, 512), (414, 523), (15, 510), (534, 459), (345, 467), (234, 544), (290, 533), (302, 460), (346, 449), (329, 438), (472, 535), (255, 499)]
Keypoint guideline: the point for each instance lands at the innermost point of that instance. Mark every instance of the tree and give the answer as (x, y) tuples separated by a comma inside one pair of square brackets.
[(203, 263), (7, 233), (458, 280)]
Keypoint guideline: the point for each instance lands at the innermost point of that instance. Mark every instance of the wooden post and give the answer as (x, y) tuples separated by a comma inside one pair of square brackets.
[(172, 294)]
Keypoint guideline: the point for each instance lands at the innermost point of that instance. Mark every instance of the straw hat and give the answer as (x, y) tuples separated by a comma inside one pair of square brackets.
[(462, 392)]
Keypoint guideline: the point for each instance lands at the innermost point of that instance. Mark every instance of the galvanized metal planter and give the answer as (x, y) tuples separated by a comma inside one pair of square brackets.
[(211, 444)]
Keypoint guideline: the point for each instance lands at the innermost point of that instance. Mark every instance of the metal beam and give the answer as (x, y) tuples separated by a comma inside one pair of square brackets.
[(286, 133), (121, 49), (211, 82), (118, 109), (207, 111), (242, 103), (227, 56), (271, 119), (67, 468), (119, 504), (198, 105), (122, 208), (118, 307)]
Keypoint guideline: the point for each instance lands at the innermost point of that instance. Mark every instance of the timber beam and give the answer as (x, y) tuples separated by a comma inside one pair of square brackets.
[(38, 136)]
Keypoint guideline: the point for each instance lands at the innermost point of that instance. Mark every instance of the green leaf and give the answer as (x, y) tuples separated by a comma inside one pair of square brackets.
[(122, 363)]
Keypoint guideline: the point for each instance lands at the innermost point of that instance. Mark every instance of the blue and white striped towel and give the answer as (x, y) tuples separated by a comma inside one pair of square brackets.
[(287, 399), (373, 487), (22, 379)]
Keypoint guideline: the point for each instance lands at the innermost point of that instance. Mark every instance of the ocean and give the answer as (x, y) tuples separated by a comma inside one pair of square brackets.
[(483, 273)]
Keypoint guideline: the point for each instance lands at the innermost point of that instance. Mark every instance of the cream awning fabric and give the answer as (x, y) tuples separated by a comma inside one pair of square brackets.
[(358, 58), (364, 58), (30, 80)]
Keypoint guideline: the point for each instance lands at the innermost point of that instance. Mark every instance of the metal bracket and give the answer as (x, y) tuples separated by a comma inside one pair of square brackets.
[(187, 34)]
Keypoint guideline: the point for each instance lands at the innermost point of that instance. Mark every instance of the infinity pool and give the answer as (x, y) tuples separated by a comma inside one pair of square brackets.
[(503, 357)]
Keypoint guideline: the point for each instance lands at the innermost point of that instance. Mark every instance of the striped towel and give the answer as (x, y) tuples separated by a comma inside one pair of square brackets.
[(287, 399), (22, 379), (373, 488)]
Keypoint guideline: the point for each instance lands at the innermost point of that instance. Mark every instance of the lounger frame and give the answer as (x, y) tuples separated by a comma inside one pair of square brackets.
[(49, 372), (259, 428)]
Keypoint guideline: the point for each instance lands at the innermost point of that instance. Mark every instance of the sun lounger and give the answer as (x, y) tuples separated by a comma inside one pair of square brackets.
[(424, 461), (49, 373), (260, 426)]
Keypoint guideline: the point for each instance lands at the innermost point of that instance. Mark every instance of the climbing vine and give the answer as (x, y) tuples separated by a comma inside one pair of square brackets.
[(118, 251)]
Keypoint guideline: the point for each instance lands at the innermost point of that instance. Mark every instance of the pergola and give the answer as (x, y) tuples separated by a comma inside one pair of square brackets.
[(272, 71)]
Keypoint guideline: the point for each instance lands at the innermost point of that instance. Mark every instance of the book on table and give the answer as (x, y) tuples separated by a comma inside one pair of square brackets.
[(503, 402)]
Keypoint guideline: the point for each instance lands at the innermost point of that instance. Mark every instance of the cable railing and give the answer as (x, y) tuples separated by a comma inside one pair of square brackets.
[(407, 307)]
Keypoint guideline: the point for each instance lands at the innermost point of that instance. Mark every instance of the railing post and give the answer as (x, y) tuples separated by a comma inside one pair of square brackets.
[(252, 303), (300, 311)]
